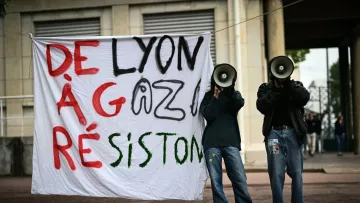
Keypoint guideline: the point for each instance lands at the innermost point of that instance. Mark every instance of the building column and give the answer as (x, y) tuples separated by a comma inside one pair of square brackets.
[(344, 92), (253, 75), (355, 73), (13, 73), (120, 20), (275, 29)]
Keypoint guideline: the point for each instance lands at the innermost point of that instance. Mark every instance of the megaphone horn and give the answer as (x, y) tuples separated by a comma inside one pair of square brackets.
[(281, 67), (224, 75)]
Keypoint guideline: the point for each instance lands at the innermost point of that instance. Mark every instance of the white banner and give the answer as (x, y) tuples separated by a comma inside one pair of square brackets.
[(118, 116)]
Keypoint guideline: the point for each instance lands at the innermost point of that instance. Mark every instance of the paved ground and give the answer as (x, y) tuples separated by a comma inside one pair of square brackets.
[(316, 188), (339, 182), (326, 162)]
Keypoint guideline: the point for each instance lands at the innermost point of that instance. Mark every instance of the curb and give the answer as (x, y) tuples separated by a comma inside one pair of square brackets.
[(268, 184), (264, 170)]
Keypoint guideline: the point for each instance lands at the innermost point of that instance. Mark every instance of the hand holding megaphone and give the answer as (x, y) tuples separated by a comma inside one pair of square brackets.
[(217, 91)]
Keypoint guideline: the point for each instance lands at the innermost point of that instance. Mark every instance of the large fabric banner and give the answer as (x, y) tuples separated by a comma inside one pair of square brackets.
[(119, 116)]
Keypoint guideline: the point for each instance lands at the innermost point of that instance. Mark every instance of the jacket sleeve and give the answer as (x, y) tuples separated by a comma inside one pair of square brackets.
[(209, 106), (237, 101), (299, 96), (265, 99)]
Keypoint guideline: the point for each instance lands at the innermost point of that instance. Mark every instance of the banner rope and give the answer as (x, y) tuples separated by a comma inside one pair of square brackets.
[(287, 5), (266, 13)]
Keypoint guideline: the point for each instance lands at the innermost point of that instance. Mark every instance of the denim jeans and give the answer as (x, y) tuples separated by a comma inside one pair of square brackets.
[(340, 141), (235, 171), (283, 151)]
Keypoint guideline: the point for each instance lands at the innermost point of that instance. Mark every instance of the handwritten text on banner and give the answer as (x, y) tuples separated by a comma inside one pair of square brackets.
[(118, 116)]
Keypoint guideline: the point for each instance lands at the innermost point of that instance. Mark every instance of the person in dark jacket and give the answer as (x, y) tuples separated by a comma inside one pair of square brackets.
[(221, 140), (284, 128), (318, 120), (311, 134), (340, 133)]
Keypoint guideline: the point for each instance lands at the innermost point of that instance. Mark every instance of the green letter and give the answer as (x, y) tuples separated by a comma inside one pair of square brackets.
[(199, 152), (141, 143), (164, 146), (117, 162), (176, 150), (130, 150)]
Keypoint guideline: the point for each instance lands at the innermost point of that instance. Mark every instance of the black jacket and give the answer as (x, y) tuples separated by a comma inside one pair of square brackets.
[(298, 98), (317, 126), (222, 129), (339, 128)]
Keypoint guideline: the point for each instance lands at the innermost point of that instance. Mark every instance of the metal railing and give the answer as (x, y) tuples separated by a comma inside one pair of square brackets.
[(6, 121)]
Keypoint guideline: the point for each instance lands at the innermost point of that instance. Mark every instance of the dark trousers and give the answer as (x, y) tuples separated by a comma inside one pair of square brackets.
[(283, 151), (340, 142), (235, 171)]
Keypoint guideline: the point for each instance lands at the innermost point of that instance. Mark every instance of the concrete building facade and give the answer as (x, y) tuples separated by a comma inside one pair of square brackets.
[(242, 46)]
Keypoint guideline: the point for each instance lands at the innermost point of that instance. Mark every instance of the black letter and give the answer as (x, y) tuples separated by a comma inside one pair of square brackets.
[(143, 84), (158, 57), (195, 99), (117, 162), (167, 107), (176, 150), (199, 152), (116, 69), (146, 51), (164, 146), (189, 59), (141, 143), (130, 150)]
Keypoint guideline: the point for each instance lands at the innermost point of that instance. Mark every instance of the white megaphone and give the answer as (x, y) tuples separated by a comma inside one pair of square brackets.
[(281, 67), (224, 75)]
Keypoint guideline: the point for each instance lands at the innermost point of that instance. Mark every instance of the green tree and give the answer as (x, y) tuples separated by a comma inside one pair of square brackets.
[(297, 55), (335, 88), (4, 4)]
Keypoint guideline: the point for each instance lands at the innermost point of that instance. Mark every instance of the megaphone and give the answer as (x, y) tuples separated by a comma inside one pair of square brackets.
[(224, 75), (281, 67)]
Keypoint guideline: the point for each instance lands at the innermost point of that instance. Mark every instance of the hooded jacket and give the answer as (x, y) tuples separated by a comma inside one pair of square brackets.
[(298, 98), (222, 129)]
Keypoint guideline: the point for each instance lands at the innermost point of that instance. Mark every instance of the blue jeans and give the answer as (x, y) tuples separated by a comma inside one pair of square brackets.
[(340, 141), (283, 150), (235, 171)]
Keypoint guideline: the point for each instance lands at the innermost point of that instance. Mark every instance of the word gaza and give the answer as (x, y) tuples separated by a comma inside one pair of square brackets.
[(143, 96)]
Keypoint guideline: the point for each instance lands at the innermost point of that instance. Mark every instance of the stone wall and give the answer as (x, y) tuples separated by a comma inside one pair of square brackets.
[(16, 156)]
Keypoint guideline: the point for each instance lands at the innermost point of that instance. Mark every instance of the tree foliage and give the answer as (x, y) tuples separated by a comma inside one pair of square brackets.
[(297, 55), (335, 88), (4, 4)]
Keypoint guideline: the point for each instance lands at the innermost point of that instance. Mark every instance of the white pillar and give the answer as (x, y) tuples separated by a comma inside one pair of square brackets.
[(275, 29)]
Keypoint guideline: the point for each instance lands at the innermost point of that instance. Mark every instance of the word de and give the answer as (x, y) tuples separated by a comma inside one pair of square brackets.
[(78, 58)]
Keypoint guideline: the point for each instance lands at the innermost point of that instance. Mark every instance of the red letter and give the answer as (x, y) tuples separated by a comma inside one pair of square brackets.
[(64, 66), (78, 58), (66, 92), (82, 151), (97, 104), (57, 148)]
